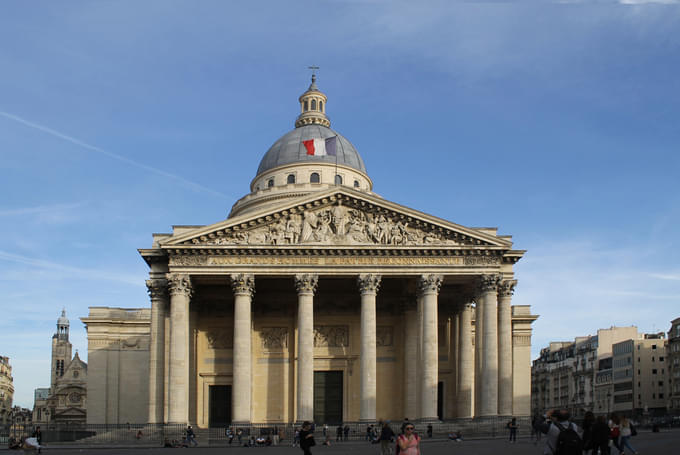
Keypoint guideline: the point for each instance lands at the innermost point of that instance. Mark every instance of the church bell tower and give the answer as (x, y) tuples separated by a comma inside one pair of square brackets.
[(61, 349)]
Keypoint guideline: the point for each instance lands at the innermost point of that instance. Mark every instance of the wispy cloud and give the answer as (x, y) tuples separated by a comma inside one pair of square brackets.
[(82, 272), (189, 184), (666, 276)]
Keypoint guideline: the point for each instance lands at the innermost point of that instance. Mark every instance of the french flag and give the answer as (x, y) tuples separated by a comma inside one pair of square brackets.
[(321, 147)]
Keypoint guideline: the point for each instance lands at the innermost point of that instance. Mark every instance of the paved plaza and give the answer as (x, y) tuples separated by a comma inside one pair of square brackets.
[(646, 443)]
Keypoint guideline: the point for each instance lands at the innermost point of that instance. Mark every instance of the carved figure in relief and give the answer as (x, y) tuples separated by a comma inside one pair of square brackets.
[(336, 225), (331, 336)]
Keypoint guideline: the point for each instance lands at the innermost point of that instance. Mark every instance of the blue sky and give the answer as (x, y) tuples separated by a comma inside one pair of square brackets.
[(556, 122)]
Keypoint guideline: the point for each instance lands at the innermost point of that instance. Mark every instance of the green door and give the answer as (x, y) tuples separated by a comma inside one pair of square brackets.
[(328, 397)]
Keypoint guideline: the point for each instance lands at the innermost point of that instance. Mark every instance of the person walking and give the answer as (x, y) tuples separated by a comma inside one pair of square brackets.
[(191, 437), (615, 431), (559, 423), (512, 426), (409, 442), (587, 426), (626, 433), (307, 438), (346, 432), (599, 436), (338, 433), (386, 439)]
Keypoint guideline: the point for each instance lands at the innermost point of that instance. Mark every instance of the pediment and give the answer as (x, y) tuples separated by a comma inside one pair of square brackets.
[(338, 217)]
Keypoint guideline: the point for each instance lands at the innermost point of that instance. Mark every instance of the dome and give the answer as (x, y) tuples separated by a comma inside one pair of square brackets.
[(62, 319), (290, 149)]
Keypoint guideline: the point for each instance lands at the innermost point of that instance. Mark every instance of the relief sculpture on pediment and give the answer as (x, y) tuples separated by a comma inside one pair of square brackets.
[(335, 225)]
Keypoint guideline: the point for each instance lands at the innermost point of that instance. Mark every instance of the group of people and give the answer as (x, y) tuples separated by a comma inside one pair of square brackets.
[(595, 436), (24, 443)]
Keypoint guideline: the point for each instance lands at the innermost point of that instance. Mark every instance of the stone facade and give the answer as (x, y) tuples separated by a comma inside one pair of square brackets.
[(316, 299), (6, 390), (118, 357)]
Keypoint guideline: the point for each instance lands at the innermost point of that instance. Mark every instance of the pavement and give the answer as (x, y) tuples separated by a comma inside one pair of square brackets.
[(646, 443)]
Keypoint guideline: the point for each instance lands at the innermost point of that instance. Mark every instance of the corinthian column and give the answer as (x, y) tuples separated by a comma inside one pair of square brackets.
[(505, 291), (428, 287), (368, 286), (411, 329), (306, 286), (158, 292), (465, 363), (488, 395), (243, 286), (178, 395)]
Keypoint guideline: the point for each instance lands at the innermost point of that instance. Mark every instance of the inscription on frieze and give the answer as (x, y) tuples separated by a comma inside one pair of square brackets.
[(331, 336), (317, 260)]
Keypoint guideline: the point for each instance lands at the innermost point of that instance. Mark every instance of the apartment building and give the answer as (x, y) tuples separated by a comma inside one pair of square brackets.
[(673, 366), (577, 375), (640, 376)]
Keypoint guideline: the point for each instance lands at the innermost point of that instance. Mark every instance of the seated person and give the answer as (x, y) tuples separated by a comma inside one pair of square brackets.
[(456, 436)]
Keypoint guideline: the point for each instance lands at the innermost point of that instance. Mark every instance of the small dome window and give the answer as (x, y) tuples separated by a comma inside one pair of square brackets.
[(314, 178), (313, 105), (291, 178), (306, 106), (270, 183), (338, 179), (321, 106), (356, 184)]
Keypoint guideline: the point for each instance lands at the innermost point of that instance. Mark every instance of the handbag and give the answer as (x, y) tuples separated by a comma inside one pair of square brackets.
[(614, 433)]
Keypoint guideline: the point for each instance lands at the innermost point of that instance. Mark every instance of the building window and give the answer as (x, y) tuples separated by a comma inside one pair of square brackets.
[(660, 396), (654, 371), (661, 359), (291, 178), (338, 179), (660, 383), (356, 184), (321, 106), (314, 178), (653, 346), (270, 183), (313, 105), (306, 106)]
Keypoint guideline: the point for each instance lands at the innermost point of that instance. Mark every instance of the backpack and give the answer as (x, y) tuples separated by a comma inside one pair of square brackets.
[(568, 441)]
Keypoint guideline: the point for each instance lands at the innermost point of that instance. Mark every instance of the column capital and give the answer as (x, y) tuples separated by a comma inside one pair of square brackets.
[(428, 284), (489, 283), (180, 284), (157, 289), (507, 288), (305, 283), (368, 283), (243, 284)]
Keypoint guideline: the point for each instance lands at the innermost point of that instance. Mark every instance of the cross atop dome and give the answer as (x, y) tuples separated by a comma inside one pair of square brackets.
[(312, 105)]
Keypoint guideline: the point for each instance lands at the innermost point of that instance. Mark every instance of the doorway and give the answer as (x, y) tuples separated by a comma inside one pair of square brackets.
[(220, 405), (328, 397)]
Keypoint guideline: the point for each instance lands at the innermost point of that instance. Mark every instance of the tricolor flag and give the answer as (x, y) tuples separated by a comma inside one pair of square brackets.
[(321, 147)]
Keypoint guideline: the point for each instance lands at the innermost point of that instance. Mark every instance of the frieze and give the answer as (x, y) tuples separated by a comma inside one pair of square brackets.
[(331, 336), (220, 338), (274, 338), (521, 340), (481, 260), (315, 260), (336, 225)]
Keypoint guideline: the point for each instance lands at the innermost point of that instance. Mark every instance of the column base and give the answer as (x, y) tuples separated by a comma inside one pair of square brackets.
[(428, 420)]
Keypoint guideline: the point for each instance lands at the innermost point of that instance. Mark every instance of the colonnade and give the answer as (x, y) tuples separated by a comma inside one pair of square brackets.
[(485, 369)]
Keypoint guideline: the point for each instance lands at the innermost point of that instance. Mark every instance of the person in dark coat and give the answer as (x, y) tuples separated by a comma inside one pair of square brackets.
[(599, 436), (587, 426), (307, 438)]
